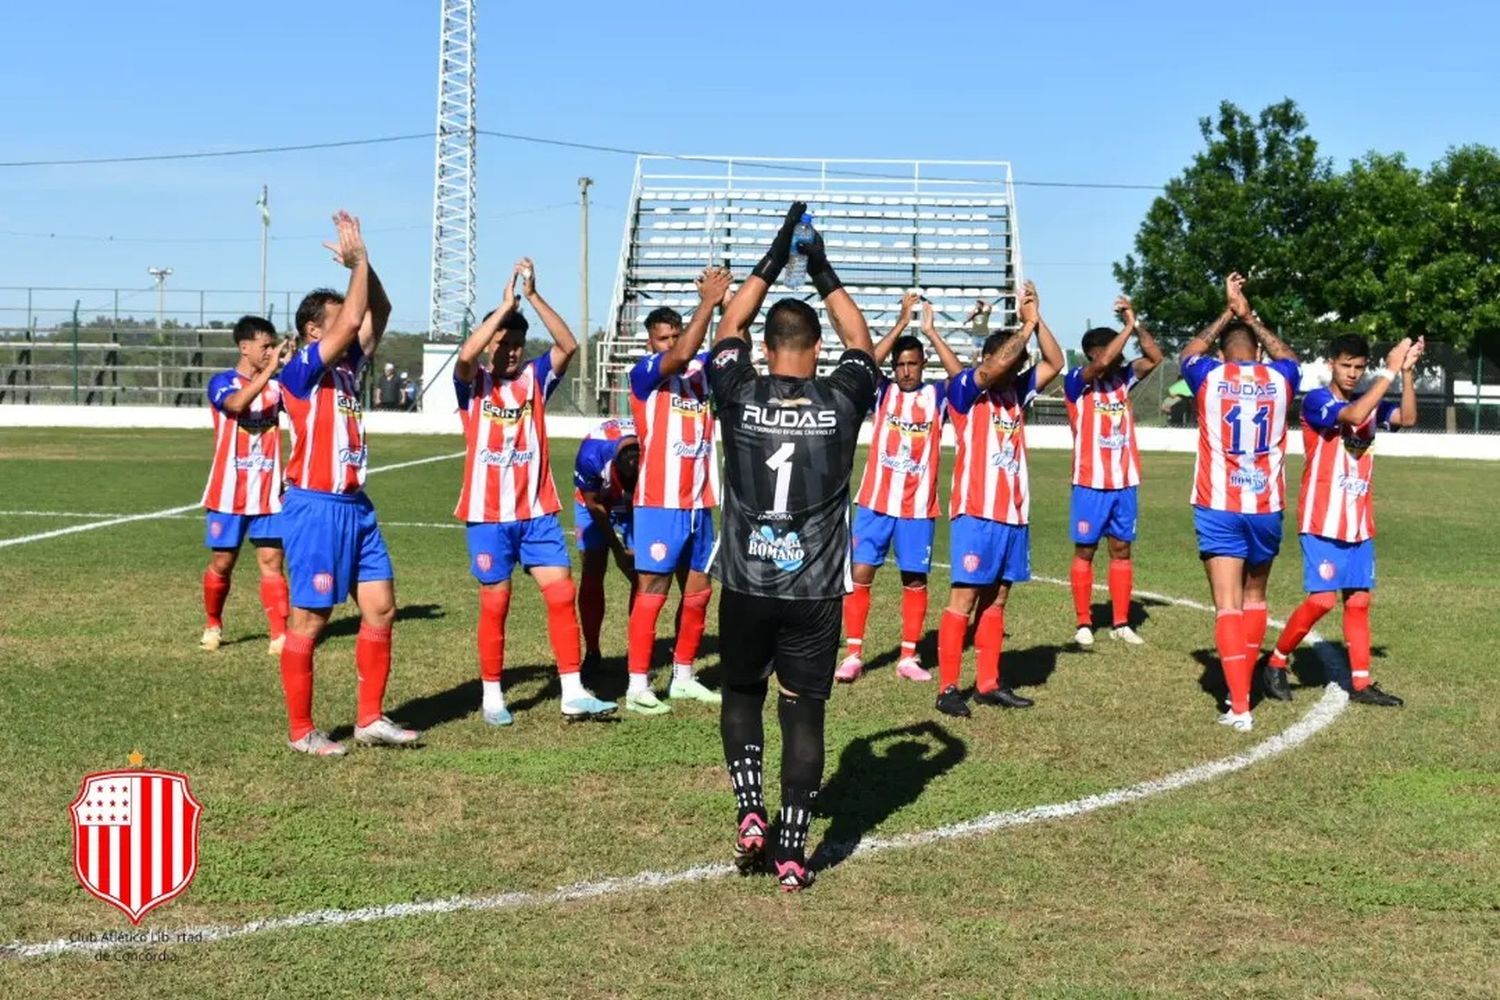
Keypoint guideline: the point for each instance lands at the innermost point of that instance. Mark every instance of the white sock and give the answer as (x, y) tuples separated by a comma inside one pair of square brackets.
[(572, 686), (682, 671), (639, 683), (494, 700)]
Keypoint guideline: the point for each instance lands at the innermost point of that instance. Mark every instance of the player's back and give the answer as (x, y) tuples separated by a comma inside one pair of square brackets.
[(593, 465), (1243, 411)]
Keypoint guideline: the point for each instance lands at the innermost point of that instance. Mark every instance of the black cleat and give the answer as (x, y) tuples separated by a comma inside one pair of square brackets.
[(1003, 698), (951, 701), (1372, 695), (750, 844), (1273, 681)]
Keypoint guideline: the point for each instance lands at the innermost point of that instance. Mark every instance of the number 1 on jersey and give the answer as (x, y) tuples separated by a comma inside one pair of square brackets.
[(781, 462)]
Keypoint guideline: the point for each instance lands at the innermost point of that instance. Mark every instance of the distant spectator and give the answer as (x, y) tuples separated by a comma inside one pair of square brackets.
[(408, 392), (388, 395)]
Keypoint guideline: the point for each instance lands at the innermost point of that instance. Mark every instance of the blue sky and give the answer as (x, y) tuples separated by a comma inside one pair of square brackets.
[(1066, 92)]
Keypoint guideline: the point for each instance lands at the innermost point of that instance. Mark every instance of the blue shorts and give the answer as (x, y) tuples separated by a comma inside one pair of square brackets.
[(669, 538), (874, 533), (229, 531), (986, 552), (1332, 565), (591, 538), (333, 543), (1255, 538), (495, 548), (1107, 513)]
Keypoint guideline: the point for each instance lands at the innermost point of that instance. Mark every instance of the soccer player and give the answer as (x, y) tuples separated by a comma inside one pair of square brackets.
[(898, 497), (789, 441), (990, 504), (244, 484), (509, 501), (675, 494), (333, 543), (1239, 482), (1336, 515), (1106, 467), (604, 477)]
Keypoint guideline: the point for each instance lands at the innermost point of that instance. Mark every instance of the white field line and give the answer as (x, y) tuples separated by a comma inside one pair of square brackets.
[(110, 522), (1318, 718)]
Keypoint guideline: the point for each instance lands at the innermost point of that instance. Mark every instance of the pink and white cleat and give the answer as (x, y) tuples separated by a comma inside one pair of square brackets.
[(849, 671), (750, 843), (911, 668), (793, 876)]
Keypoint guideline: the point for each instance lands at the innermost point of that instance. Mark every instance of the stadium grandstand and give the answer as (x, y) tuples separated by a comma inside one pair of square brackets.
[(946, 228)]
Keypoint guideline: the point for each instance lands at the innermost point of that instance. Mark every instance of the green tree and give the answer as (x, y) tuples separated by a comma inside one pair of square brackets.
[(1458, 285)]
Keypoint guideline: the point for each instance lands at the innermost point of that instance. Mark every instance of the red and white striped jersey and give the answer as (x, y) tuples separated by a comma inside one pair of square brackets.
[(676, 427), (1338, 469), (1242, 421), (245, 477), (593, 468), (989, 470), (507, 474), (1105, 456), (901, 471), (328, 424)]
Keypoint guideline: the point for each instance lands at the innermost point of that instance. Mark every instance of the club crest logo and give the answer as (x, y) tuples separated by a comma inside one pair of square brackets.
[(971, 562), (215, 528), (658, 551), (135, 837), (1083, 527), (1326, 570), (323, 583), (484, 561)]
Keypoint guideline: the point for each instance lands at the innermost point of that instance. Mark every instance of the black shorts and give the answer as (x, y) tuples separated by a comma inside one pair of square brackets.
[(798, 641)]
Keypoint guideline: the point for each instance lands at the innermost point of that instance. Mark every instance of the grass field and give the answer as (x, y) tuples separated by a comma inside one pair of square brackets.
[(1366, 863)]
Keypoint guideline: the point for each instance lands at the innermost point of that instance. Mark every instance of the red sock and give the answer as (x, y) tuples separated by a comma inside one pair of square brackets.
[(989, 638), (951, 629), (1229, 637), (591, 609), (215, 591), (494, 607), (643, 631), (1357, 637), (913, 617), (372, 659), (1121, 583), (1255, 629), (1082, 577), (562, 624), (297, 683), (856, 613), (1301, 623), (692, 615), (274, 598)]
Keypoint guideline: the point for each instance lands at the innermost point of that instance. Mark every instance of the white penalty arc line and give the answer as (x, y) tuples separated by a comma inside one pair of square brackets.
[(1318, 718), (170, 512)]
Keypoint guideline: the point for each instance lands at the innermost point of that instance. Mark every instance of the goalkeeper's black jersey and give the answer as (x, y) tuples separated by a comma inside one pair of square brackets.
[(788, 451)]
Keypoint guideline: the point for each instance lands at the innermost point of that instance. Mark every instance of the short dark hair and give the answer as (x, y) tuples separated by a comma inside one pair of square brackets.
[(513, 320), (1099, 336), (1238, 329), (310, 309), (994, 342), (250, 327), (904, 344), (1350, 344), (792, 323), (662, 314), (628, 463)]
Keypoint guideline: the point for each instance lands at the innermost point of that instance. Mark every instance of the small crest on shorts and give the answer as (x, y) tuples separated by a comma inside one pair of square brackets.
[(1083, 527), (215, 528), (1326, 570), (658, 551), (323, 583), (484, 561), (971, 561)]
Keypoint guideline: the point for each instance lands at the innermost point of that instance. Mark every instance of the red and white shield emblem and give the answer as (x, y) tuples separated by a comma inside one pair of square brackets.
[(135, 838)]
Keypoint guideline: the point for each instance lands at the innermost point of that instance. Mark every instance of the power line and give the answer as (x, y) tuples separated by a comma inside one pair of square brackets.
[(212, 154)]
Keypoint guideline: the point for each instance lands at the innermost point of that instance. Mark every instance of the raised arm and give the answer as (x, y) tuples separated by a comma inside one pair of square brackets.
[(468, 355), (945, 354), (1009, 355), (564, 344), (712, 284), (350, 252), (1407, 417), (1106, 358), (1053, 359), (745, 306), (888, 342), (1360, 409), (847, 319), (372, 327), (1240, 306), (235, 403), (1151, 354)]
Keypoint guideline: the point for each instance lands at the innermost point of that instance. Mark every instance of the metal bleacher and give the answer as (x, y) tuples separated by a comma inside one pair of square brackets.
[(945, 228)]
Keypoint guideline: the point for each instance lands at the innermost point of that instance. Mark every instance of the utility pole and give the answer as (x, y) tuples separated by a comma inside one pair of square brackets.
[(160, 274), (585, 402), (265, 234)]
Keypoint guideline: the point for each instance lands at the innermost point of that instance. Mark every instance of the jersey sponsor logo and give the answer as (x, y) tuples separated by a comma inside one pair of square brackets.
[(1006, 458), (971, 562), (1326, 570), (726, 359), (346, 404), (1353, 485), (785, 552), (505, 414), (692, 449), (910, 428), (257, 423), (791, 419), (1253, 480), (1110, 407), (688, 406), (1114, 442), (505, 458), (354, 456), (323, 583), (902, 465), (1007, 423), (1240, 389), (485, 562), (1357, 446), (254, 463)]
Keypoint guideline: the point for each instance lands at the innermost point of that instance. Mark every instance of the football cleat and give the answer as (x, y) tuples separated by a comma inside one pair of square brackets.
[(1084, 637), (276, 645), (1372, 695), (317, 744), (849, 671), (1003, 698), (793, 876), (384, 732), (951, 701), (498, 717), (1240, 722), (692, 689), (1274, 682), (750, 843), (588, 707), (646, 703), (1126, 634), (911, 668), (212, 636)]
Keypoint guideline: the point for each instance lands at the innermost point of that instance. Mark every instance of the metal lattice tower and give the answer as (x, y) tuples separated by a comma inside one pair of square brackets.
[(453, 185)]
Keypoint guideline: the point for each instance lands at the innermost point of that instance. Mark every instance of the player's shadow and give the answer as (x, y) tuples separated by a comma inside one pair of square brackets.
[(1029, 667), (878, 775), (1211, 681), (349, 624), (1102, 613), (429, 711)]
